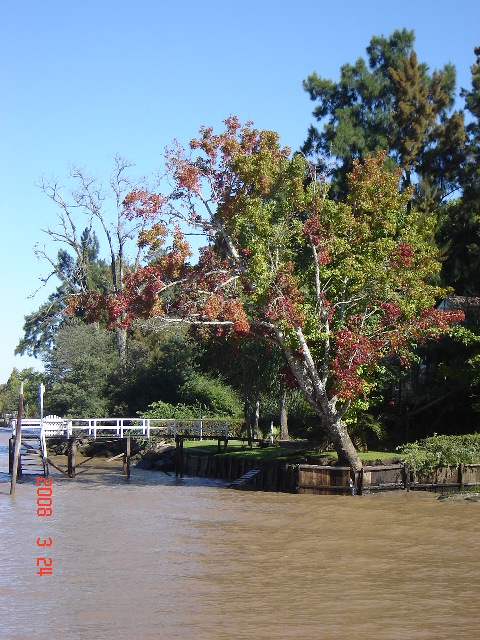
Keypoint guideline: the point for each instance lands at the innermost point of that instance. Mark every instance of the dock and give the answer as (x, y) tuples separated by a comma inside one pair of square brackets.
[(28, 442)]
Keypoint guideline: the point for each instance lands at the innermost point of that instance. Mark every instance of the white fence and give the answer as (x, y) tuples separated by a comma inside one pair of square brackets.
[(52, 426)]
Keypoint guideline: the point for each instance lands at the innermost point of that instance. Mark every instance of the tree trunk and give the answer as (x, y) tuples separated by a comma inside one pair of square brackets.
[(248, 419), (284, 417), (314, 390), (256, 418), (122, 346), (347, 454)]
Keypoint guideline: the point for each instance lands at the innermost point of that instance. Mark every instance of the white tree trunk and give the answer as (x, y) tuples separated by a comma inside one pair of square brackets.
[(284, 417)]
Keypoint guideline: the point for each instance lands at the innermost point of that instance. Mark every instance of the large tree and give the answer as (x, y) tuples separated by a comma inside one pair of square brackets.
[(472, 105), (337, 286), (80, 371), (459, 221), (84, 273), (390, 102), (86, 210)]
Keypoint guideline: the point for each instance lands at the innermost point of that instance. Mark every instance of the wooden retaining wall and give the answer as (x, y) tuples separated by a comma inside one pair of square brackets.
[(273, 477), (338, 480), (451, 477), (331, 480), (324, 480)]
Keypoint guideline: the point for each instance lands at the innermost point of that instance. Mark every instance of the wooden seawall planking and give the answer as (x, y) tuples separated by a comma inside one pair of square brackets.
[(245, 474)]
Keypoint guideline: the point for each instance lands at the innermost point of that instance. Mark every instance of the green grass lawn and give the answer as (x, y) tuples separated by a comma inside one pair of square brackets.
[(294, 451)]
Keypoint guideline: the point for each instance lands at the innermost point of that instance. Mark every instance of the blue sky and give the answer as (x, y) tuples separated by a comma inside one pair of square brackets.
[(83, 80)]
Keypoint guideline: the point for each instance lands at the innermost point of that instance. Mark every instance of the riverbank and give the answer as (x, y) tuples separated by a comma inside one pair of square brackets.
[(285, 467)]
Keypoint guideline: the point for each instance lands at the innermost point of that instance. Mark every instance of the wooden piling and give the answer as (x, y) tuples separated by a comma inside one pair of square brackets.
[(71, 451), (177, 462), (126, 458), (11, 444), (180, 470), (16, 464), (359, 482), (199, 465), (406, 477)]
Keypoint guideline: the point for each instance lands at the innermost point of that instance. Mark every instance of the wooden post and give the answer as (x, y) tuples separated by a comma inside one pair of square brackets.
[(209, 468), (126, 458), (71, 450), (460, 477), (406, 477), (360, 482), (179, 461), (18, 443), (182, 467), (11, 442), (177, 457)]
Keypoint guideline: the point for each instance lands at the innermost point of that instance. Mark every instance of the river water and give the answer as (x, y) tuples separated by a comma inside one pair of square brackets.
[(154, 558)]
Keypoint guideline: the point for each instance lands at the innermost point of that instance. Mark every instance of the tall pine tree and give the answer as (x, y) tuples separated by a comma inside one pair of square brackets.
[(459, 226), (390, 102)]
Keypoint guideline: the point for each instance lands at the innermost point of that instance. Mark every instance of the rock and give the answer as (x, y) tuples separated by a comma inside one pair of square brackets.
[(159, 457)]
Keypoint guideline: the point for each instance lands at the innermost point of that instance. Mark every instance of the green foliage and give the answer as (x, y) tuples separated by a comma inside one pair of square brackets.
[(86, 271), (41, 326), (458, 231), (458, 234), (79, 371), (212, 395), (9, 392), (471, 174), (422, 456), (157, 366), (364, 426), (389, 102), (165, 410), (199, 396)]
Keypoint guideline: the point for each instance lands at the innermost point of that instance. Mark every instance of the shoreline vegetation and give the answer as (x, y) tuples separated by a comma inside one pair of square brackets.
[(421, 455), (449, 464), (457, 479)]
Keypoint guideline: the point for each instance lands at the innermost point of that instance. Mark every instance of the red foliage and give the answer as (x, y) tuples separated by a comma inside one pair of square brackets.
[(231, 177), (287, 379), (356, 353), (402, 256), (286, 298), (141, 203)]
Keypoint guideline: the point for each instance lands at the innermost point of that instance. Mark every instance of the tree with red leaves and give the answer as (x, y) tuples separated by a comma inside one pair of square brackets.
[(337, 286)]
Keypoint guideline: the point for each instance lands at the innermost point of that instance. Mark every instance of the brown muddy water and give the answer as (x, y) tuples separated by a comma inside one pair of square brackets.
[(153, 558)]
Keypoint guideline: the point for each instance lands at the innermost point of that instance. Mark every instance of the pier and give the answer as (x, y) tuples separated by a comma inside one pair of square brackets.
[(28, 441)]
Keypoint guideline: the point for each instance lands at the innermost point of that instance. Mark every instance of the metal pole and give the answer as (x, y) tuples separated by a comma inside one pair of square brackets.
[(18, 441), (41, 392)]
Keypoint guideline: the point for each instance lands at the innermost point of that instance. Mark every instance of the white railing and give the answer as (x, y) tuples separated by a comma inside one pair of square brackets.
[(31, 427), (120, 427)]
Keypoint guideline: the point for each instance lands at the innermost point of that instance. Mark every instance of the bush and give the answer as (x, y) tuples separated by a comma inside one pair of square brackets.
[(423, 455), (165, 410), (212, 395)]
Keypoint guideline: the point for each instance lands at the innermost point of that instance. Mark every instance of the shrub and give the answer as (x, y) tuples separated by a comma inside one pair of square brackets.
[(423, 455), (216, 397)]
